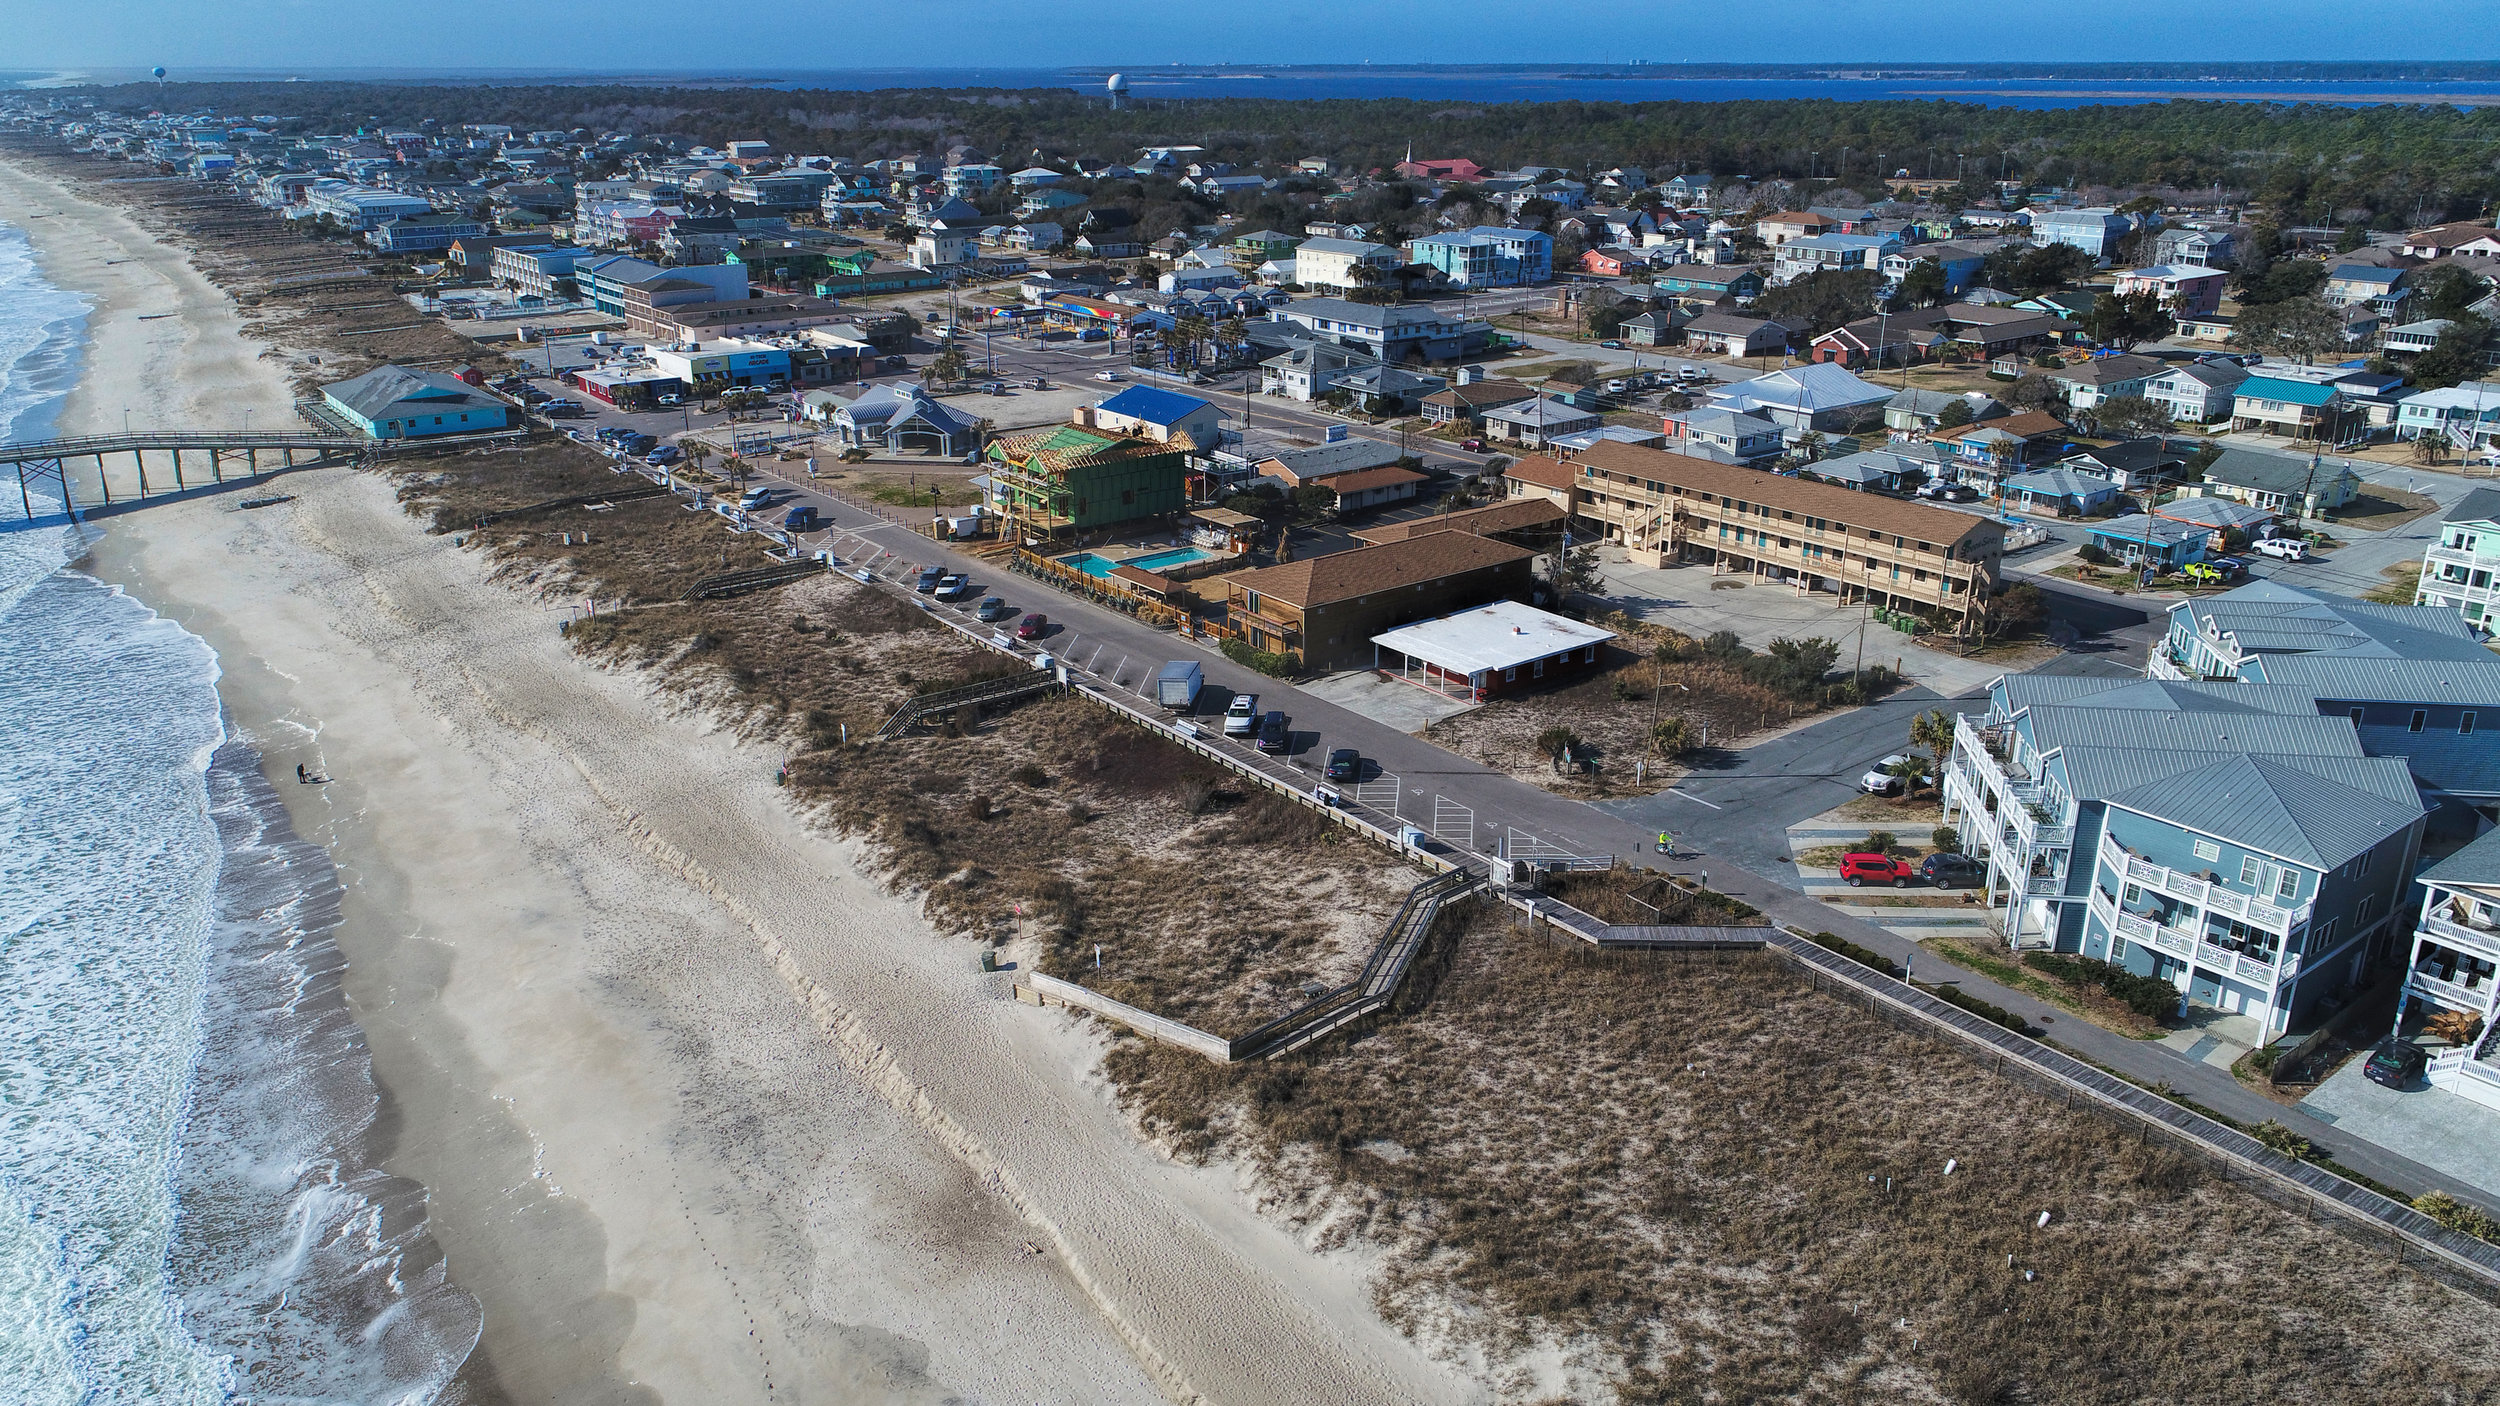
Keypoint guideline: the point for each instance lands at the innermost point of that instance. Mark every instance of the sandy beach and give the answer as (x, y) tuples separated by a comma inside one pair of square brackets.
[(704, 1114)]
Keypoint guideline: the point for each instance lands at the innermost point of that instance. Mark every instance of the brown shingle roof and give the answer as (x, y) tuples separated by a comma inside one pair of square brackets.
[(1342, 576), (1542, 471), (1364, 480), (1915, 521), (2030, 424), (1481, 393), (1513, 516)]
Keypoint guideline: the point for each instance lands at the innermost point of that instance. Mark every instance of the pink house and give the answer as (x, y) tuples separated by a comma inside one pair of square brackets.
[(2186, 292)]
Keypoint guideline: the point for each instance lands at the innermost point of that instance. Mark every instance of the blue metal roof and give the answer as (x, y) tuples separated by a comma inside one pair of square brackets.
[(1154, 405), (2290, 392)]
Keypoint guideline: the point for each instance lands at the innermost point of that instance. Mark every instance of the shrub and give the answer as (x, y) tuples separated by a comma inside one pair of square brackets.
[(979, 807), (1275, 666), (2092, 554), (1880, 841), (2457, 1216), (1864, 956), (1671, 737), (1553, 740), (1029, 775), (2147, 996), (2282, 1139), (1946, 839), (1953, 996), (1724, 644)]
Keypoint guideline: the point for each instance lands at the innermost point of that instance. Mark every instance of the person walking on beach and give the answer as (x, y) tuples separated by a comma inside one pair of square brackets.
[(299, 773)]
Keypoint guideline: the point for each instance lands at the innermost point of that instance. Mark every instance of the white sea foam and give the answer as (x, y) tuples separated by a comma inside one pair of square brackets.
[(187, 1212)]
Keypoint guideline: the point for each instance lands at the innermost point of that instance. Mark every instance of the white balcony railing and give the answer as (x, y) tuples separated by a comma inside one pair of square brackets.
[(2016, 793), (2204, 893), (2457, 937), (2454, 995)]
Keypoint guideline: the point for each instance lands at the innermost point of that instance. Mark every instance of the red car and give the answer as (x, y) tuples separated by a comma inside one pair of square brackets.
[(1032, 626), (1472, 446), (1869, 868)]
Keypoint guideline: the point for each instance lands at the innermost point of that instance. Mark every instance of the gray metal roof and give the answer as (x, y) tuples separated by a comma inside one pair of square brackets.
[(2477, 863), (2470, 682), (2095, 724), (2061, 482), (2029, 690), (2481, 505), (2274, 473), (2273, 618), (1344, 457), (388, 392), (2318, 811), (2136, 527)]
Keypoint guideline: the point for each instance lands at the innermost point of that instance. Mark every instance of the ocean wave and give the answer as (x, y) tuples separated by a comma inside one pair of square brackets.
[(188, 1210)]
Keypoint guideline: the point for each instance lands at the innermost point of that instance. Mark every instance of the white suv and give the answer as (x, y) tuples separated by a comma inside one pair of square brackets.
[(2281, 548), (1241, 719)]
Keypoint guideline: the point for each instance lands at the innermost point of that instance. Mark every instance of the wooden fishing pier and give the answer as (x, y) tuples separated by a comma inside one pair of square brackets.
[(227, 457)]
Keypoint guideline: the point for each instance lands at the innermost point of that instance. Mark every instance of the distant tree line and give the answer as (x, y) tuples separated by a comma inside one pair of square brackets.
[(2376, 167)]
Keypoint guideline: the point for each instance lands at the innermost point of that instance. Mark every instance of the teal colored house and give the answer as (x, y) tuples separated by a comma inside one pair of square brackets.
[(393, 402), (1711, 282)]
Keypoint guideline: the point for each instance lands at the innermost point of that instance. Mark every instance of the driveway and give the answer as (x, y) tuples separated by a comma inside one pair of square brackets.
[(2432, 1126), (1407, 707)]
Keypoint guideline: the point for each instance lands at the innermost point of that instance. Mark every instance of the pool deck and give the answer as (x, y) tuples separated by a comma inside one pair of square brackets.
[(1165, 556)]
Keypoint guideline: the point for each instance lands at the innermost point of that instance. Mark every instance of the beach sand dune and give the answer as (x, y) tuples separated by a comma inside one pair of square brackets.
[(705, 1115)]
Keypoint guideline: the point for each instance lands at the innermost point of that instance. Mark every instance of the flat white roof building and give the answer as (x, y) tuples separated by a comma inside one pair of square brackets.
[(1488, 649)]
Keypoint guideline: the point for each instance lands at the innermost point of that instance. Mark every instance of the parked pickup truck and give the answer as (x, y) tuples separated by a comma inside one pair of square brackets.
[(1177, 685), (1869, 868)]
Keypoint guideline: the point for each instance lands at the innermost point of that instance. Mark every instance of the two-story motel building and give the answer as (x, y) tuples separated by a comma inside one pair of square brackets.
[(1858, 547)]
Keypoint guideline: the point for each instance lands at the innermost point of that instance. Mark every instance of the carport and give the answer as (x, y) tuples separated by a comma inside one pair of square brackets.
[(1490, 649)]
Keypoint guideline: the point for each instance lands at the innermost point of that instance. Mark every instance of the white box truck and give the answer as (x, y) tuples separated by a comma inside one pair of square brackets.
[(1177, 685)]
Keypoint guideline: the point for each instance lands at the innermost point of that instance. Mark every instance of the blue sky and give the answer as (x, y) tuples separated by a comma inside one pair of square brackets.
[(645, 36)]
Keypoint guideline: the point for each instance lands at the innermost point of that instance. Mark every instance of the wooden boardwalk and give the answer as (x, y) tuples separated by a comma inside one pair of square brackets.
[(1304, 1025)]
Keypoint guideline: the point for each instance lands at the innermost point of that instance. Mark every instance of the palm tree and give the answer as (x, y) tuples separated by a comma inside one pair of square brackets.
[(1192, 329), (1932, 730), (1910, 772)]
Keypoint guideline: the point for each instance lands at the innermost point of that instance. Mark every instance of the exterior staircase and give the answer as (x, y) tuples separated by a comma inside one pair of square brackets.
[(971, 695)]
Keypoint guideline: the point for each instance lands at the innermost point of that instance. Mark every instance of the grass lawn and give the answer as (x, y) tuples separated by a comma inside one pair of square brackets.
[(2380, 508), (2403, 580)]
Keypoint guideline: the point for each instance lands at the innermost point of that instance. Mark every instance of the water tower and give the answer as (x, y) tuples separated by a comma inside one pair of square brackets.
[(1118, 88)]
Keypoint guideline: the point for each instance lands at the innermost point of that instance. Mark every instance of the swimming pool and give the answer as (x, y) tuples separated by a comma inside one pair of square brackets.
[(1099, 567), (1165, 561)]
